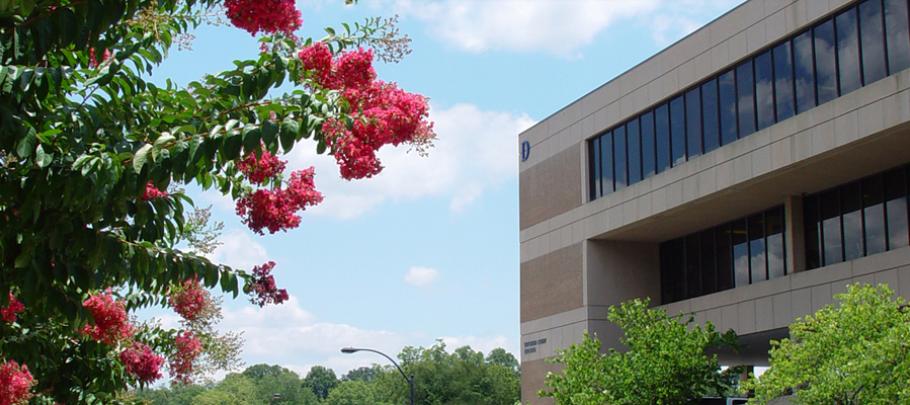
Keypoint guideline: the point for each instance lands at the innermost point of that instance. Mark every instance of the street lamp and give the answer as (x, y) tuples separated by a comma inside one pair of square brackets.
[(409, 379)]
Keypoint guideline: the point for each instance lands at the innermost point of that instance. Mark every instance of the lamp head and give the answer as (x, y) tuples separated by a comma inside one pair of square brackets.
[(349, 350)]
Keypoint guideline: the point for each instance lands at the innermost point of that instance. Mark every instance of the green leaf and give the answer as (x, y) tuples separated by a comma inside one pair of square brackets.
[(164, 139), (27, 144), (141, 157), (43, 159), (288, 134)]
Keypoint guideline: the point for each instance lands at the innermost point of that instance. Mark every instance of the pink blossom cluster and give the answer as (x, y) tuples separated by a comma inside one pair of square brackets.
[(111, 323), (269, 16), (189, 347), (383, 114), (9, 313), (151, 192), (189, 300), (276, 209), (93, 61), (260, 166), (264, 287), (15, 383), (141, 362)]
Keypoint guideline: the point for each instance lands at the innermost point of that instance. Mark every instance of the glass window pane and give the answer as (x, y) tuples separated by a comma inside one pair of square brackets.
[(874, 214), (672, 270), (803, 62), (833, 244), (634, 151), (783, 81), (745, 91), (812, 228), (897, 34), (678, 130), (757, 248), (851, 206), (724, 260), (848, 51), (825, 62), (619, 158), (647, 145), (764, 90), (666, 274), (606, 168), (662, 124), (774, 233), (595, 168), (740, 253), (693, 266), (727, 86), (693, 122), (709, 115), (872, 40), (896, 207), (708, 256)]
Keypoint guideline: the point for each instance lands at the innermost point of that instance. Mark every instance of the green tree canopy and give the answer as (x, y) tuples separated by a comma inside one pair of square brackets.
[(665, 362), (854, 352), (320, 380)]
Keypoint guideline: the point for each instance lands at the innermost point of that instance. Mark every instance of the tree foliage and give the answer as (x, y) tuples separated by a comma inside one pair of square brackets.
[(94, 158), (665, 362), (857, 352), (320, 380)]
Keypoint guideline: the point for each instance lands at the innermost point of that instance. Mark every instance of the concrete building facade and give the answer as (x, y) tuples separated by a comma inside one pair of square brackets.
[(745, 175)]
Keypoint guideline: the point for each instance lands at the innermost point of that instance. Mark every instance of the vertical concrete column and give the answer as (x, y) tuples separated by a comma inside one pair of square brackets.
[(796, 239)]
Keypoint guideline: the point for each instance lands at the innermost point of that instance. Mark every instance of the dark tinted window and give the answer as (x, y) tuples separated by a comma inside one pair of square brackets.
[(897, 35), (804, 66), (693, 266), (745, 91), (693, 122), (724, 262), (872, 31), (757, 248), (708, 258), (709, 115), (634, 148), (606, 151), (727, 85), (812, 228), (595, 168), (825, 62), (783, 81), (764, 90), (896, 206), (852, 208), (874, 212), (619, 158), (678, 130), (774, 236), (647, 144), (831, 231), (662, 124), (740, 253), (848, 51)]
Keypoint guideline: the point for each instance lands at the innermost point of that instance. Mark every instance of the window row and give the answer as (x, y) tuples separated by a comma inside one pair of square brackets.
[(858, 219), (738, 253), (858, 46)]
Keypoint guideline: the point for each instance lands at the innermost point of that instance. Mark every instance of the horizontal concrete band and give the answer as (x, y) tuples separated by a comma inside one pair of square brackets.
[(849, 119), (720, 44)]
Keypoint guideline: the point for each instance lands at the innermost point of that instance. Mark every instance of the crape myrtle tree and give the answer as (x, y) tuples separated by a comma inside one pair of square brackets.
[(666, 362), (94, 157), (855, 352)]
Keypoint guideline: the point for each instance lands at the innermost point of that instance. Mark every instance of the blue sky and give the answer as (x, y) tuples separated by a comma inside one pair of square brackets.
[(429, 248)]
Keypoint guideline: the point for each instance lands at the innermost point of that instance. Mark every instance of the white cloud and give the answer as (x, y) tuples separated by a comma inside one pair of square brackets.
[(553, 26), (675, 19), (292, 337), (421, 276), (475, 150), (239, 250)]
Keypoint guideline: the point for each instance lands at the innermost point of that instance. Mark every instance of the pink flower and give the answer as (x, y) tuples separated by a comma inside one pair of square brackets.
[(318, 58), (264, 287), (141, 362), (276, 209), (354, 70), (188, 348), (8, 313), (269, 16), (15, 383), (260, 166), (151, 192), (189, 300), (93, 60), (111, 323)]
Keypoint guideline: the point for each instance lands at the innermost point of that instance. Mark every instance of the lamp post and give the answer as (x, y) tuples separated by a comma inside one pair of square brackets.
[(409, 379)]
